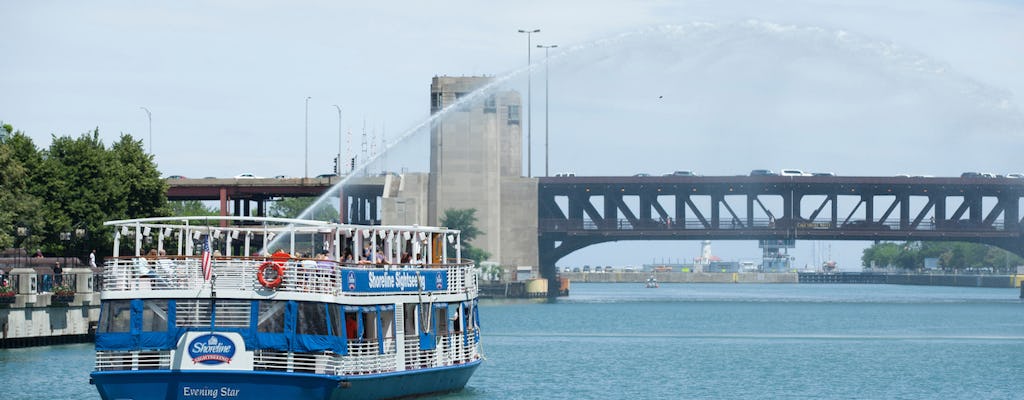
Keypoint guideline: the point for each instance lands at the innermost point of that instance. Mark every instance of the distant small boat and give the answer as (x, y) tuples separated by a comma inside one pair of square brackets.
[(652, 282)]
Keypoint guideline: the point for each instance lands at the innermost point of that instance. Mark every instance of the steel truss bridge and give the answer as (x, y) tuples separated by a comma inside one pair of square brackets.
[(575, 212)]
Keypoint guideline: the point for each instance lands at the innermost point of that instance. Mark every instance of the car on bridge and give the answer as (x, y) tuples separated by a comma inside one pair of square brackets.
[(793, 172), (176, 177), (762, 172), (247, 175)]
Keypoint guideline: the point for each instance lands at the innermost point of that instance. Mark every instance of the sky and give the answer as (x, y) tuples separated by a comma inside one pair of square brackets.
[(719, 87)]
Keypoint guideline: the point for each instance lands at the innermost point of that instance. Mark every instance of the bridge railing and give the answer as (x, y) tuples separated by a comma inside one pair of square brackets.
[(623, 224)]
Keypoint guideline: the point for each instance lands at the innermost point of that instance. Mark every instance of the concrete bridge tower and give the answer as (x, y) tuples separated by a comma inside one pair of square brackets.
[(476, 162)]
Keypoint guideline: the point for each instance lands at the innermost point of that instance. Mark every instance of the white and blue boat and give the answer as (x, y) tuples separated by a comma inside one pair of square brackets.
[(199, 308)]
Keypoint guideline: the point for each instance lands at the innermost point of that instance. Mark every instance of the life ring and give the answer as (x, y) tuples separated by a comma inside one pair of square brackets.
[(275, 277)]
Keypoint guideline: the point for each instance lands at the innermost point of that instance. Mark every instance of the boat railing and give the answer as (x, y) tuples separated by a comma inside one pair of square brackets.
[(367, 357), (133, 360), (451, 349), (313, 363), (240, 273)]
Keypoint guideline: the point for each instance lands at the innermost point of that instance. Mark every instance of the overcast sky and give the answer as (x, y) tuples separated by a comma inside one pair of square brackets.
[(720, 87)]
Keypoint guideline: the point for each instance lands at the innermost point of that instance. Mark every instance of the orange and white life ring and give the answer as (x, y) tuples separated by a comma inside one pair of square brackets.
[(272, 279)]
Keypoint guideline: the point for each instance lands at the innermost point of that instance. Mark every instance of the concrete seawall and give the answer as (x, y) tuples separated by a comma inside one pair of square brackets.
[(682, 277), (992, 281), (34, 318)]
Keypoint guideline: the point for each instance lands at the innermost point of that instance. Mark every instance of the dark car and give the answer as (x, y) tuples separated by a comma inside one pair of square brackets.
[(762, 172), (329, 176), (176, 177)]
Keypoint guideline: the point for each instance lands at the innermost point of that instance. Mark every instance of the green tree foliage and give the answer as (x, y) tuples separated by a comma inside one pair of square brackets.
[(292, 207), (76, 184), (191, 208), (465, 220), (19, 206), (951, 256)]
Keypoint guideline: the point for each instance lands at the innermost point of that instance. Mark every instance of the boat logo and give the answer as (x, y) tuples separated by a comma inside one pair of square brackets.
[(211, 349), (351, 280), (438, 279)]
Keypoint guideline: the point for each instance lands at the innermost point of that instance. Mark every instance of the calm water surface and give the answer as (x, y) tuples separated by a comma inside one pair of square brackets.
[(703, 341)]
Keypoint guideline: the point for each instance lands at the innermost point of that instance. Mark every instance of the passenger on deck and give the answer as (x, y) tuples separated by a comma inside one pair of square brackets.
[(351, 326)]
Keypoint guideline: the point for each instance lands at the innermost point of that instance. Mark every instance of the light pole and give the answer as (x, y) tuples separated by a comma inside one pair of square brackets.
[(149, 116), (529, 66), (546, 74), (306, 173), (337, 164)]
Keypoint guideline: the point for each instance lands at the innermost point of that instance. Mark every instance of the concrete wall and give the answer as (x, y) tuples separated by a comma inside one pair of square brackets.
[(682, 277), (476, 163), (407, 203), (519, 222), (34, 318), (995, 281)]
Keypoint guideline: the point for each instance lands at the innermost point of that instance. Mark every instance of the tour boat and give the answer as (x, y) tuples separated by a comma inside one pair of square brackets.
[(213, 307)]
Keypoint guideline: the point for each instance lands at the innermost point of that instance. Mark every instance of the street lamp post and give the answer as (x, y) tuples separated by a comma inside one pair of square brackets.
[(546, 74), (529, 66), (149, 116), (306, 171), (337, 164)]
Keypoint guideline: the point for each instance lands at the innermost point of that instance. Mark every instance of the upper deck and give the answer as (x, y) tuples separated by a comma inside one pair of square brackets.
[(312, 260)]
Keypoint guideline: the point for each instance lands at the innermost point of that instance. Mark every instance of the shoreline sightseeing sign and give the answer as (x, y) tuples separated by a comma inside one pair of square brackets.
[(397, 280)]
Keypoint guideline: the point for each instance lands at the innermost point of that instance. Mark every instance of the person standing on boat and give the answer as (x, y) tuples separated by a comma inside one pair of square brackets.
[(92, 259), (58, 274)]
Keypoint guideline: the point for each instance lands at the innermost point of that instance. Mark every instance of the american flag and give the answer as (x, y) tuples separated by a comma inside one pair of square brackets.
[(206, 258)]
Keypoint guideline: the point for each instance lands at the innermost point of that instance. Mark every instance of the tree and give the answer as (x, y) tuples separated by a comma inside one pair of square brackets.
[(139, 182), (19, 207), (464, 220), (190, 208), (292, 207), (951, 255)]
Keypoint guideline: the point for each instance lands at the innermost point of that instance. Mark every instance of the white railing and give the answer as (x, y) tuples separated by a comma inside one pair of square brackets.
[(302, 276), (132, 360), (451, 349), (313, 363), (366, 358)]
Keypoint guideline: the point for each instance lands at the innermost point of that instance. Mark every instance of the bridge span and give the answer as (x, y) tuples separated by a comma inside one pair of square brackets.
[(249, 196), (575, 212)]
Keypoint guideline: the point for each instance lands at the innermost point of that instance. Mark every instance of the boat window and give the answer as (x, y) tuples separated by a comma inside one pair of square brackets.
[(410, 319), (337, 320), (312, 319), (370, 325), (154, 316), (441, 318), (271, 319), (387, 323), (352, 325), (195, 313), (232, 313), (117, 315)]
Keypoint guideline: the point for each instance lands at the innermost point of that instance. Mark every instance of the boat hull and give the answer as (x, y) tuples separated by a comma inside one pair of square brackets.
[(192, 385)]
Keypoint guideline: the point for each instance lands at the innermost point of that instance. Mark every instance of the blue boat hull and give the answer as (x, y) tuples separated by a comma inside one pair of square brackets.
[(188, 385)]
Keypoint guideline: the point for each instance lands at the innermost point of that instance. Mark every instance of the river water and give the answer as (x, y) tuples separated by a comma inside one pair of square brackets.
[(703, 341)]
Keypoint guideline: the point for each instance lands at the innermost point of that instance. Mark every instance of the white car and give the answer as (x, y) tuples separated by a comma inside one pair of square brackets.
[(792, 172), (247, 175)]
